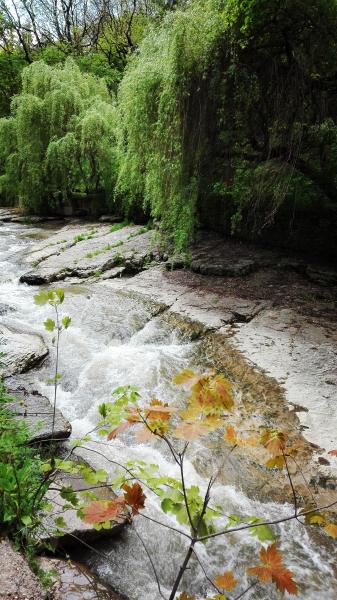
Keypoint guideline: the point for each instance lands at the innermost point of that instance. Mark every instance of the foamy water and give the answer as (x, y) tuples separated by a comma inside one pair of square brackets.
[(114, 340)]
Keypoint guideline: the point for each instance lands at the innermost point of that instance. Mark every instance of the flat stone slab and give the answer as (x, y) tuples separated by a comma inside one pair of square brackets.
[(17, 580), (84, 251), (37, 412), (23, 348), (302, 356)]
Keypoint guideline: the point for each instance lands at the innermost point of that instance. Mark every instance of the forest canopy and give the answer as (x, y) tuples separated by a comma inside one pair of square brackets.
[(207, 112)]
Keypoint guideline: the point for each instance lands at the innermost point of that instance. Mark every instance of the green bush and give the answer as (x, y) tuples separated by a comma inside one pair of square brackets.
[(59, 137)]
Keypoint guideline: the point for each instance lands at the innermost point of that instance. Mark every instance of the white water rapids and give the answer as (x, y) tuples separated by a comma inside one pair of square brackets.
[(114, 340)]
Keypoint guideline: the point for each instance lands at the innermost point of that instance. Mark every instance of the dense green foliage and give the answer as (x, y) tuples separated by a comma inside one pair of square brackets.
[(233, 100), (21, 479), (225, 113), (59, 137)]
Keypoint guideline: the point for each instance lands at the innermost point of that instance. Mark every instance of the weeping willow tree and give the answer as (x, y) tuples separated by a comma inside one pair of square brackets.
[(59, 137), (231, 101)]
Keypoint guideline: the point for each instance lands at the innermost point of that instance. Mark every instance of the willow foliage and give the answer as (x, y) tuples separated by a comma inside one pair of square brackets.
[(163, 117), (231, 101), (59, 137)]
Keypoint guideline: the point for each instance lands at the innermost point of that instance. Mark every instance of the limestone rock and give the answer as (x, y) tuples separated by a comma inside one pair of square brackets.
[(24, 349), (16, 578), (37, 412)]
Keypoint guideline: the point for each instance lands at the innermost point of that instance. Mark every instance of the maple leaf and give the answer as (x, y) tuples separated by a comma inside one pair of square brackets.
[(159, 410), (186, 377), (272, 569), (274, 441), (276, 462), (230, 435), (184, 596), (144, 434), (331, 530), (134, 497), (122, 427), (101, 511), (223, 391), (333, 452), (190, 431), (226, 581)]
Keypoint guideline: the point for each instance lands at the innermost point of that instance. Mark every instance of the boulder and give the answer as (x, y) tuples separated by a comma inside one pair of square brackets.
[(17, 580), (23, 348), (37, 412), (75, 530)]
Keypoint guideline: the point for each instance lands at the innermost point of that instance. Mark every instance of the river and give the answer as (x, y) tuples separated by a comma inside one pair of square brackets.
[(114, 340)]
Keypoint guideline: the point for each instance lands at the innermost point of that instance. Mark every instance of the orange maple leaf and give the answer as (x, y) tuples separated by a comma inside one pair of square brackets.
[(230, 435), (144, 434), (159, 410), (122, 427), (134, 497), (274, 441), (226, 581), (190, 431), (101, 511), (273, 569)]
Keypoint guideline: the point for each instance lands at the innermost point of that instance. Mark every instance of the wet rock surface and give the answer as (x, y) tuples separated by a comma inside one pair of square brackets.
[(72, 581), (75, 530), (23, 348), (17, 581), (36, 411), (84, 250)]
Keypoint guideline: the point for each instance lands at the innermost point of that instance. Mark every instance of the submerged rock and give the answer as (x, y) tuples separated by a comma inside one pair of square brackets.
[(17, 580), (23, 348), (72, 581), (37, 412)]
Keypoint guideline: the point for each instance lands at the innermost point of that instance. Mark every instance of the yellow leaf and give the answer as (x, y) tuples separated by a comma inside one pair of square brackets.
[(331, 530), (277, 462), (226, 581)]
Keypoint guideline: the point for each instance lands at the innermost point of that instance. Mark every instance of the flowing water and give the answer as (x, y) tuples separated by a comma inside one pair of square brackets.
[(115, 340)]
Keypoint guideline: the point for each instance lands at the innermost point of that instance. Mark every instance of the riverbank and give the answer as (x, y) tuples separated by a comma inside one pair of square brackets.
[(267, 320)]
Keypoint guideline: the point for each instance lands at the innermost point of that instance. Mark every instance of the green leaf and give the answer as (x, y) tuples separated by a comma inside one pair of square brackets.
[(26, 520), (49, 325), (60, 294), (68, 494), (263, 532), (41, 298), (60, 522), (66, 322)]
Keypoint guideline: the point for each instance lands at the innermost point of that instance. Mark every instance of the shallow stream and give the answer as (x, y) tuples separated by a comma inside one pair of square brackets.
[(115, 340)]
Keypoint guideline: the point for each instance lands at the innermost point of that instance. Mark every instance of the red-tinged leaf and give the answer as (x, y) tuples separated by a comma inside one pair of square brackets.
[(230, 435), (272, 569), (274, 441), (101, 511), (284, 582), (333, 452), (226, 581), (331, 530), (190, 431), (144, 434), (122, 427), (134, 497), (159, 410)]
